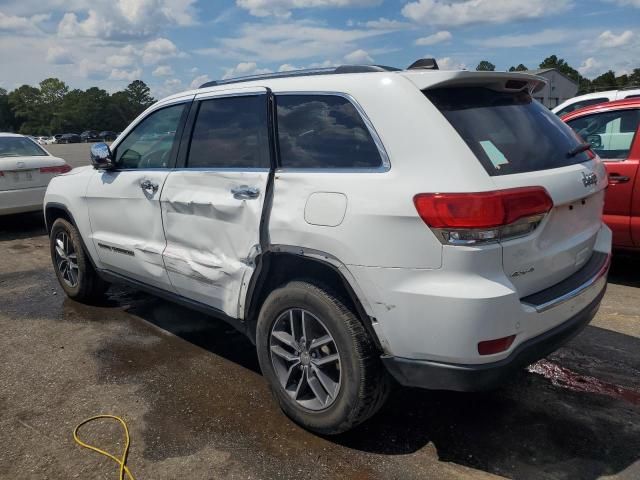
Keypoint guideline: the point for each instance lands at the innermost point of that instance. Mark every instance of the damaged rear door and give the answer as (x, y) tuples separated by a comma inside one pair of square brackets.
[(212, 203)]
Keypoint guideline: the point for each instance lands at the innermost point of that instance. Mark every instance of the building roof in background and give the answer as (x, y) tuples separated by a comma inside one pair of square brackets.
[(541, 71)]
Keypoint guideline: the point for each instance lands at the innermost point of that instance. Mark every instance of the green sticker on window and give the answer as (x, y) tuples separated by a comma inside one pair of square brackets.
[(496, 156)]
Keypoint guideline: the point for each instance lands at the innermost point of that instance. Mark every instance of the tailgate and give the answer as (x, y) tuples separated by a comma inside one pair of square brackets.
[(520, 143), (564, 240)]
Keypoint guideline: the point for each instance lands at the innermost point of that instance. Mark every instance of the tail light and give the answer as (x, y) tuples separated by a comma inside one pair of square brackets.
[(472, 218), (57, 169)]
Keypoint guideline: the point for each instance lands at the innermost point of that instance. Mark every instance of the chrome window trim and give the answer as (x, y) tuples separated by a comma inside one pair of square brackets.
[(222, 169), (118, 170), (184, 169), (381, 169), (252, 92), (384, 156)]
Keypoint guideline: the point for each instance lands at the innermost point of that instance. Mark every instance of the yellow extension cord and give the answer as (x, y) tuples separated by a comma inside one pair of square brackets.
[(120, 461)]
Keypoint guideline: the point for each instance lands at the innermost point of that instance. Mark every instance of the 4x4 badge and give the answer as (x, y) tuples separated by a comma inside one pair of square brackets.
[(588, 180), (523, 272)]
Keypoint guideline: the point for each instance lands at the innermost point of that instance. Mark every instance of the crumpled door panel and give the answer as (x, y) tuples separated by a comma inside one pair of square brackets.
[(212, 236)]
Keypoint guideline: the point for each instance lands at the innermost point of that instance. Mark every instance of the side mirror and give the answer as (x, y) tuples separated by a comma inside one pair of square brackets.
[(101, 157), (595, 141)]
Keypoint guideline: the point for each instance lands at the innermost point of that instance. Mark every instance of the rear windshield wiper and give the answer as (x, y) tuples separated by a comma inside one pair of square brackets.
[(583, 147)]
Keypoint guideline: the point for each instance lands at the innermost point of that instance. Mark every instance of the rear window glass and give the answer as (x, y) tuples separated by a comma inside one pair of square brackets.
[(19, 147), (509, 132)]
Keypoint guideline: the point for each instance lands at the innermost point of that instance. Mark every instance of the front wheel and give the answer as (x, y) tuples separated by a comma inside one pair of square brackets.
[(323, 368), (75, 273)]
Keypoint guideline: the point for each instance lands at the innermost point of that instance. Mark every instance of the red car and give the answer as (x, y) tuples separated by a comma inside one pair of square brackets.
[(612, 130)]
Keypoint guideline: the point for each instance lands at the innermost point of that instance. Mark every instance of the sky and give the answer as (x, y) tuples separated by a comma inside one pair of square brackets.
[(173, 45)]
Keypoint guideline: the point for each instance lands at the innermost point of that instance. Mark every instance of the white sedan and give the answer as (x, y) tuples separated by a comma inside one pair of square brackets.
[(25, 171)]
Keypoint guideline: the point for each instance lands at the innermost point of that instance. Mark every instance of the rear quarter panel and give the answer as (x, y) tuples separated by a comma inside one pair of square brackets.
[(380, 227)]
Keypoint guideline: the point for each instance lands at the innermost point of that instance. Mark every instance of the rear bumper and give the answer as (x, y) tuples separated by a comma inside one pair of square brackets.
[(21, 201), (465, 378)]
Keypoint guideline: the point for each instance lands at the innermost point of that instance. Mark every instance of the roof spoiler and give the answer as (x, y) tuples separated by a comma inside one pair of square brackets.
[(499, 81)]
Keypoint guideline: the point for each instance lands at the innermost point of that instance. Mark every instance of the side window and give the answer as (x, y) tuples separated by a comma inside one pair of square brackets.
[(323, 131), (610, 134), (230, 132), (149, 144), (584, 103)]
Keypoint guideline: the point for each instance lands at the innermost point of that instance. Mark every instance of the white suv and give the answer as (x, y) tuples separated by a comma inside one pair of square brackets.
[(358, 224), (596, 98)]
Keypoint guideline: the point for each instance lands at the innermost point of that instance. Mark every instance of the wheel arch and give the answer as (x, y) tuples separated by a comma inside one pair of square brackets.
[(281, 264), (56, 210)]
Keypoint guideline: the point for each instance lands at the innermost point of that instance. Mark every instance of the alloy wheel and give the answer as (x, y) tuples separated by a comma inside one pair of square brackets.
[(66, 259), (305, 358)]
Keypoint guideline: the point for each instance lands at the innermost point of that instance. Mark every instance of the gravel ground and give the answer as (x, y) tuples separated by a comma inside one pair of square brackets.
[(191, 391)]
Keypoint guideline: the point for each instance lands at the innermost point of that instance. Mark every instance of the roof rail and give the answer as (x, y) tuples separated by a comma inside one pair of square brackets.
[(304, 73)]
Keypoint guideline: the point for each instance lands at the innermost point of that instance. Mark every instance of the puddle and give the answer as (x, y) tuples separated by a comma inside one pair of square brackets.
[(565, 378)]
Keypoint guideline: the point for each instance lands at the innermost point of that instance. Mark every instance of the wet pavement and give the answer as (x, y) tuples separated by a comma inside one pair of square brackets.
[(191, 391)]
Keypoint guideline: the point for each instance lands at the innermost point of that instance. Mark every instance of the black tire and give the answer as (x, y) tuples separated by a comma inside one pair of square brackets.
[(364, 384), (90, 287)]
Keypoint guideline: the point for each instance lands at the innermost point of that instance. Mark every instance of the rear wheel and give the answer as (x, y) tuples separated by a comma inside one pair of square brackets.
[(75, 273), (321, 364)]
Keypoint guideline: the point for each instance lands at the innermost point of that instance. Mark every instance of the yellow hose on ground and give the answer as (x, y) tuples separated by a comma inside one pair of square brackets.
[(120, 461)]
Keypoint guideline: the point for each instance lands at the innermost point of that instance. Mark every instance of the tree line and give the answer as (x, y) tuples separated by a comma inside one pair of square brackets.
[(606, 81), (52, 108)]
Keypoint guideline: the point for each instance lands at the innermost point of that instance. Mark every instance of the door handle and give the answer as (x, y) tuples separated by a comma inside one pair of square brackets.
[(149, 187), (245, 192), (615, 178)]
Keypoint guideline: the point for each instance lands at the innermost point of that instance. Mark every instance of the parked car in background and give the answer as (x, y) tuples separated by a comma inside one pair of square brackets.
[(90, 136), (25, 171), (55, 138), (440, 227), (612, 131), (588, 99), (42, 140), (108, 136), (69, 138)]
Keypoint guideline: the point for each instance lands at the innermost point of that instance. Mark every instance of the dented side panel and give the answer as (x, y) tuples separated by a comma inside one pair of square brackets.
[(212, 235)]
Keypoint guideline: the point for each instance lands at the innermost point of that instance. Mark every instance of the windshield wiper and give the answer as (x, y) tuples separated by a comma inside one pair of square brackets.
[(583, 147)]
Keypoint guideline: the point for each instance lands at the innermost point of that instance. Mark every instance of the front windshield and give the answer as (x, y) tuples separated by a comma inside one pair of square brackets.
[(19, 147)]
